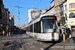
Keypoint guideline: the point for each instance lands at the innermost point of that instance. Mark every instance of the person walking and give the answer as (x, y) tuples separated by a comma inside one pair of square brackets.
[(66, 32), (3, 33), (73, 34), (69, 33)]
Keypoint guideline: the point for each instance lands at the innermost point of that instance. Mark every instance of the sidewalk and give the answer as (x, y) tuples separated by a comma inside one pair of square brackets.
[(68, 42)]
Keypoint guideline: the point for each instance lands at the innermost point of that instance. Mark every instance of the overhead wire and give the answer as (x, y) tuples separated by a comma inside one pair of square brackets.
[(19, 7), (38, 3)]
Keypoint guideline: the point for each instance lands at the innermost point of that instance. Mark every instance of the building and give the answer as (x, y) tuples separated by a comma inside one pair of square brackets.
[(57, 7), (6, 19), (57, 12), (3, 16), (33, 13), (1, 5), (70, 13), (11, 22), (65, 10), (51, 9)]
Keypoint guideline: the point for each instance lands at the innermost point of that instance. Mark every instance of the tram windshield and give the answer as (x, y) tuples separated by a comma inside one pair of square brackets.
[(72, 15), (49, 25)]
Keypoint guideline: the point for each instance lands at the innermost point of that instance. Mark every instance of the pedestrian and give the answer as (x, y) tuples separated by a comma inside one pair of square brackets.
[(9, 32), (66, 32), (73, 34), (69, 33), (3, 33)]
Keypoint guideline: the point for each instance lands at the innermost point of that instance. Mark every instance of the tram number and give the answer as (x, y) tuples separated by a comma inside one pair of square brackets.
[(52, 34)]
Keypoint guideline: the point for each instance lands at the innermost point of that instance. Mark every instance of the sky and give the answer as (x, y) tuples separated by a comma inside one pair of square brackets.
[(24, 6)]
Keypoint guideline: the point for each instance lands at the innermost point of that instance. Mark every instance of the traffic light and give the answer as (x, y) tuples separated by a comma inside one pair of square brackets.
[(63, 20)]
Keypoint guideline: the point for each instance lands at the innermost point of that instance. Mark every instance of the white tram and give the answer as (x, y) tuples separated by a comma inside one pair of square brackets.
[(44, 28)]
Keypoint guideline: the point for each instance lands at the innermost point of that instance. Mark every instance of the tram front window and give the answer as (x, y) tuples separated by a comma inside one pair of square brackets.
[(72, 15), (49, 25)]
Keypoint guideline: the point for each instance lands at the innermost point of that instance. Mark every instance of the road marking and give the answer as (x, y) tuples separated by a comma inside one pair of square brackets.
[(45, 45), (41, 48), (32, 46)]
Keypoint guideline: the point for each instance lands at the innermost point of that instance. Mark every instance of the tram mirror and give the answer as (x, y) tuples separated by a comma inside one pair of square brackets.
[(58, 23)]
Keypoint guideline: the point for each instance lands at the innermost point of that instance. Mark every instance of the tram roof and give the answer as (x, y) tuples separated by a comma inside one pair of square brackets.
[(40, 16)]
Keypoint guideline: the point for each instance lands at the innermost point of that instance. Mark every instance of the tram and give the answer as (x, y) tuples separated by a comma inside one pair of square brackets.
[(44, 28), (71, 19)]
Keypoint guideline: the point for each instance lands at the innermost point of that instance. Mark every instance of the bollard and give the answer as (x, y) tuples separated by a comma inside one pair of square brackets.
[(63, 32), (7, 33), (64, 37)]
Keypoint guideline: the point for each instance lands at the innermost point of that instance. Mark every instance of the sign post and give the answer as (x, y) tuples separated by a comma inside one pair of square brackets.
[(63, 22)]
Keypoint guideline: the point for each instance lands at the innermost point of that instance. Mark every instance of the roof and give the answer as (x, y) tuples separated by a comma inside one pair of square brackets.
[(11, 15), (52, 1), (49, 9), (41, 16)]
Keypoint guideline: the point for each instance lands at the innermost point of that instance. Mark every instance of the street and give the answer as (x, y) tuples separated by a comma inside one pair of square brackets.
[(50, 23), (22, 41)]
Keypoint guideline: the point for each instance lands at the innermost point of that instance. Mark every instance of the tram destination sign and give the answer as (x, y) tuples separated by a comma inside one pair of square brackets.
[(48, 18)]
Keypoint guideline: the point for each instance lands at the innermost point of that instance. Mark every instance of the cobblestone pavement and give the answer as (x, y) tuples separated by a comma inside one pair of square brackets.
[(32, 44)]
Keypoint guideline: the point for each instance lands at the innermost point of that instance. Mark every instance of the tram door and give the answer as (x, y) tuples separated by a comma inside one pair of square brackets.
[(73, 31)]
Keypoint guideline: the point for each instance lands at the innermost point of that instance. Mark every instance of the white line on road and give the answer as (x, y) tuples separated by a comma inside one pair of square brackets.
[(32, 46), (41, 48)]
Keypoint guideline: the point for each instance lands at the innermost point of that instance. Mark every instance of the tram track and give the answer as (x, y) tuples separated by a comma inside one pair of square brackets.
[(16, 43), (21, 43)]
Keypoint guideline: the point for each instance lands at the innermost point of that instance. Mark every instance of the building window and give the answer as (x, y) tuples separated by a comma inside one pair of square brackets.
[(66, 16), (72, 15), (65, 7), (61, 13), (57, 11), (72, 5), (61, 10)]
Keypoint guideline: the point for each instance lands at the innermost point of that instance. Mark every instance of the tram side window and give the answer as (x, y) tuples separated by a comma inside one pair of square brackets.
[(31, 28), (37, 28), (27, 29)]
